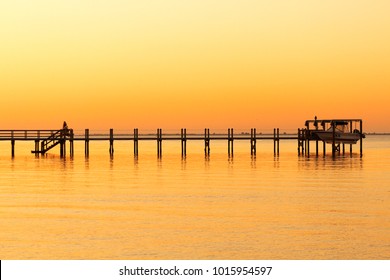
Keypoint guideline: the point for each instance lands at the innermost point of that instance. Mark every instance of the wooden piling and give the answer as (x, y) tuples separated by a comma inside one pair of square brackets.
[(324, 147), (12, 144), (183, 142), (111, 150), (361, 137), (36, 149), (274, 141), (86, 145), (207, 141), (333, 139), (71, 146), (13, 148), (62, 148), (136, 142), (159, 142), (299, 141), (350, 130), (230, 142), (62, 144), (306, 137), (316, 148), (253, 141)]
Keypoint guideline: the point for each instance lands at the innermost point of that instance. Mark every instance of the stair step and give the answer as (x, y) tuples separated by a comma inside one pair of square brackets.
[(55, 139)]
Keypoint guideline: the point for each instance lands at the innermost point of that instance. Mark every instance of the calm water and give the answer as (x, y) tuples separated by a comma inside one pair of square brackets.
[(285, 207)]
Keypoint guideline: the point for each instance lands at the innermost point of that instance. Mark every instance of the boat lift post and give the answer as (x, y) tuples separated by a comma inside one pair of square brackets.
[(333, 138), (361, 137)]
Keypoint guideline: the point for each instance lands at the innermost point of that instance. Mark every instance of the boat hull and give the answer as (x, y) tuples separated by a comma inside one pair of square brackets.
[(339, 137)]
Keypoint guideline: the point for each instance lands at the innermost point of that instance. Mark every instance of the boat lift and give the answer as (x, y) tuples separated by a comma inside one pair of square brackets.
[(336, 132)]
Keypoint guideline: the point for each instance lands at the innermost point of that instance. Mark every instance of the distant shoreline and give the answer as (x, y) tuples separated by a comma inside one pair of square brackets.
[(377, 133)]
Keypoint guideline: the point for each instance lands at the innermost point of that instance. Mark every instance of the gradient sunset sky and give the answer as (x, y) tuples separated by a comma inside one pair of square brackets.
[(192, 63)]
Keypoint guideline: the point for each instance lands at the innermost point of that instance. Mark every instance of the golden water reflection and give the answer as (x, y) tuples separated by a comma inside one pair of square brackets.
[(285, 207)]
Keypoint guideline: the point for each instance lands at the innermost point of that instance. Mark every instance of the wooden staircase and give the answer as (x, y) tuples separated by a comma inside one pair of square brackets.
[(58, 137)]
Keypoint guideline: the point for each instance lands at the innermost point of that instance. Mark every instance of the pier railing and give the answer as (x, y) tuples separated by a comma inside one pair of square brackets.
[(25, 134)]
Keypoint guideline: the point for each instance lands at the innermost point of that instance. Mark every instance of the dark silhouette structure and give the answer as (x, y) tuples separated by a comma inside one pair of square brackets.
[(45, 140)]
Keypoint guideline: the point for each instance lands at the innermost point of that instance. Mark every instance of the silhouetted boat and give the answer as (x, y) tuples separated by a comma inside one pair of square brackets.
[(341, 134)]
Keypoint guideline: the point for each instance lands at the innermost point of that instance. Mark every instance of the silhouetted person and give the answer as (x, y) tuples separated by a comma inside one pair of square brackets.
[(65, 129)]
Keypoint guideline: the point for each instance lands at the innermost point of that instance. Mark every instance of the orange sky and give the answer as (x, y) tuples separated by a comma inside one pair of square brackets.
[(221, 63)]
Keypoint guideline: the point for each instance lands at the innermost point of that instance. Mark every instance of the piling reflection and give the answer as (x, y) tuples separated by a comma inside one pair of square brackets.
[(253, 161), (86, 163), (111, 161), (184, 163), (149, 208)]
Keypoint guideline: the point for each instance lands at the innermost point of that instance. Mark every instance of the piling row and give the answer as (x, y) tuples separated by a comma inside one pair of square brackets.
[(304, 138)]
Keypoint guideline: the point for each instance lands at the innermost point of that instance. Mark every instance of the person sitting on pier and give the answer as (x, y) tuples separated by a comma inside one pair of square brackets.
[(65, 128), (315, 122)]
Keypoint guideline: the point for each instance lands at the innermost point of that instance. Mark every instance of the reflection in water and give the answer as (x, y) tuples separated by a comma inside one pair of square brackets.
[(159, 162), (111, 161), (352, 162), (136, 161), (86, 161), (183, 163), (199, 207), (276, 162), (253, 161)]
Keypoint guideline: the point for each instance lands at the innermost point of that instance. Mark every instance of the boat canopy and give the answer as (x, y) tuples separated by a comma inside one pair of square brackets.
[(347, 124)]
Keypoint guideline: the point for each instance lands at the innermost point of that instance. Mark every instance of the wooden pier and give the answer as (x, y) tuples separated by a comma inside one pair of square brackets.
[(45, 140)]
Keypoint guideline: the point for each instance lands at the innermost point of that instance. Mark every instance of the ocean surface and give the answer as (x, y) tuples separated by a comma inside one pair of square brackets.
[(216, 207)]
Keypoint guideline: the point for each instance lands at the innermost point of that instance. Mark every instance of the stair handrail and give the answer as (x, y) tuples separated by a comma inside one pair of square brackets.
[(58, 135)]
